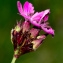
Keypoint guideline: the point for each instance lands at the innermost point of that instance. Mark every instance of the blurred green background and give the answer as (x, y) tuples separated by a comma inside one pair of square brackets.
[(51, 51)]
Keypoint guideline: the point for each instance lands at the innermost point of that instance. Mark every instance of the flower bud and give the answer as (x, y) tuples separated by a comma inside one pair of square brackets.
[(37, 42)]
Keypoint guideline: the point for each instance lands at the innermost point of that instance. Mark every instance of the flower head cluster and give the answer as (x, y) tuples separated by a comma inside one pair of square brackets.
[(24, 38)]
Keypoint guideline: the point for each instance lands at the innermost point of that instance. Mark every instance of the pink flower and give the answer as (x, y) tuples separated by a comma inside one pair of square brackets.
[(38, 19), (26, 38), (27, 11)]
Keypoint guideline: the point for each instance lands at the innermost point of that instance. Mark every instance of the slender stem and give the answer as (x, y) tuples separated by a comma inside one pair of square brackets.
[(13, 60), (14, 57)]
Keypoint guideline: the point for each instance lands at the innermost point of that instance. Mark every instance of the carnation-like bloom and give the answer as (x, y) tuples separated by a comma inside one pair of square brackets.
[(38, 19), (24, 38)]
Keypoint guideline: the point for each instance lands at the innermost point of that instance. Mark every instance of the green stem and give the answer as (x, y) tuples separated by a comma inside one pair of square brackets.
[(14, 57), (13, 60)]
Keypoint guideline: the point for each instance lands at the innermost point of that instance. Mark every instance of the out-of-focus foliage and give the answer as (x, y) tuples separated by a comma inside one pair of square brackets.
[(51, 51)]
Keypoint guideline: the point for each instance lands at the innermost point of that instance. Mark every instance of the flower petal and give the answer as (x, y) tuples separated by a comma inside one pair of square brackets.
[(37, 16), (47, 29), (35, 19), (19, 6), (45, 18), (45, 14), (28, 8)]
